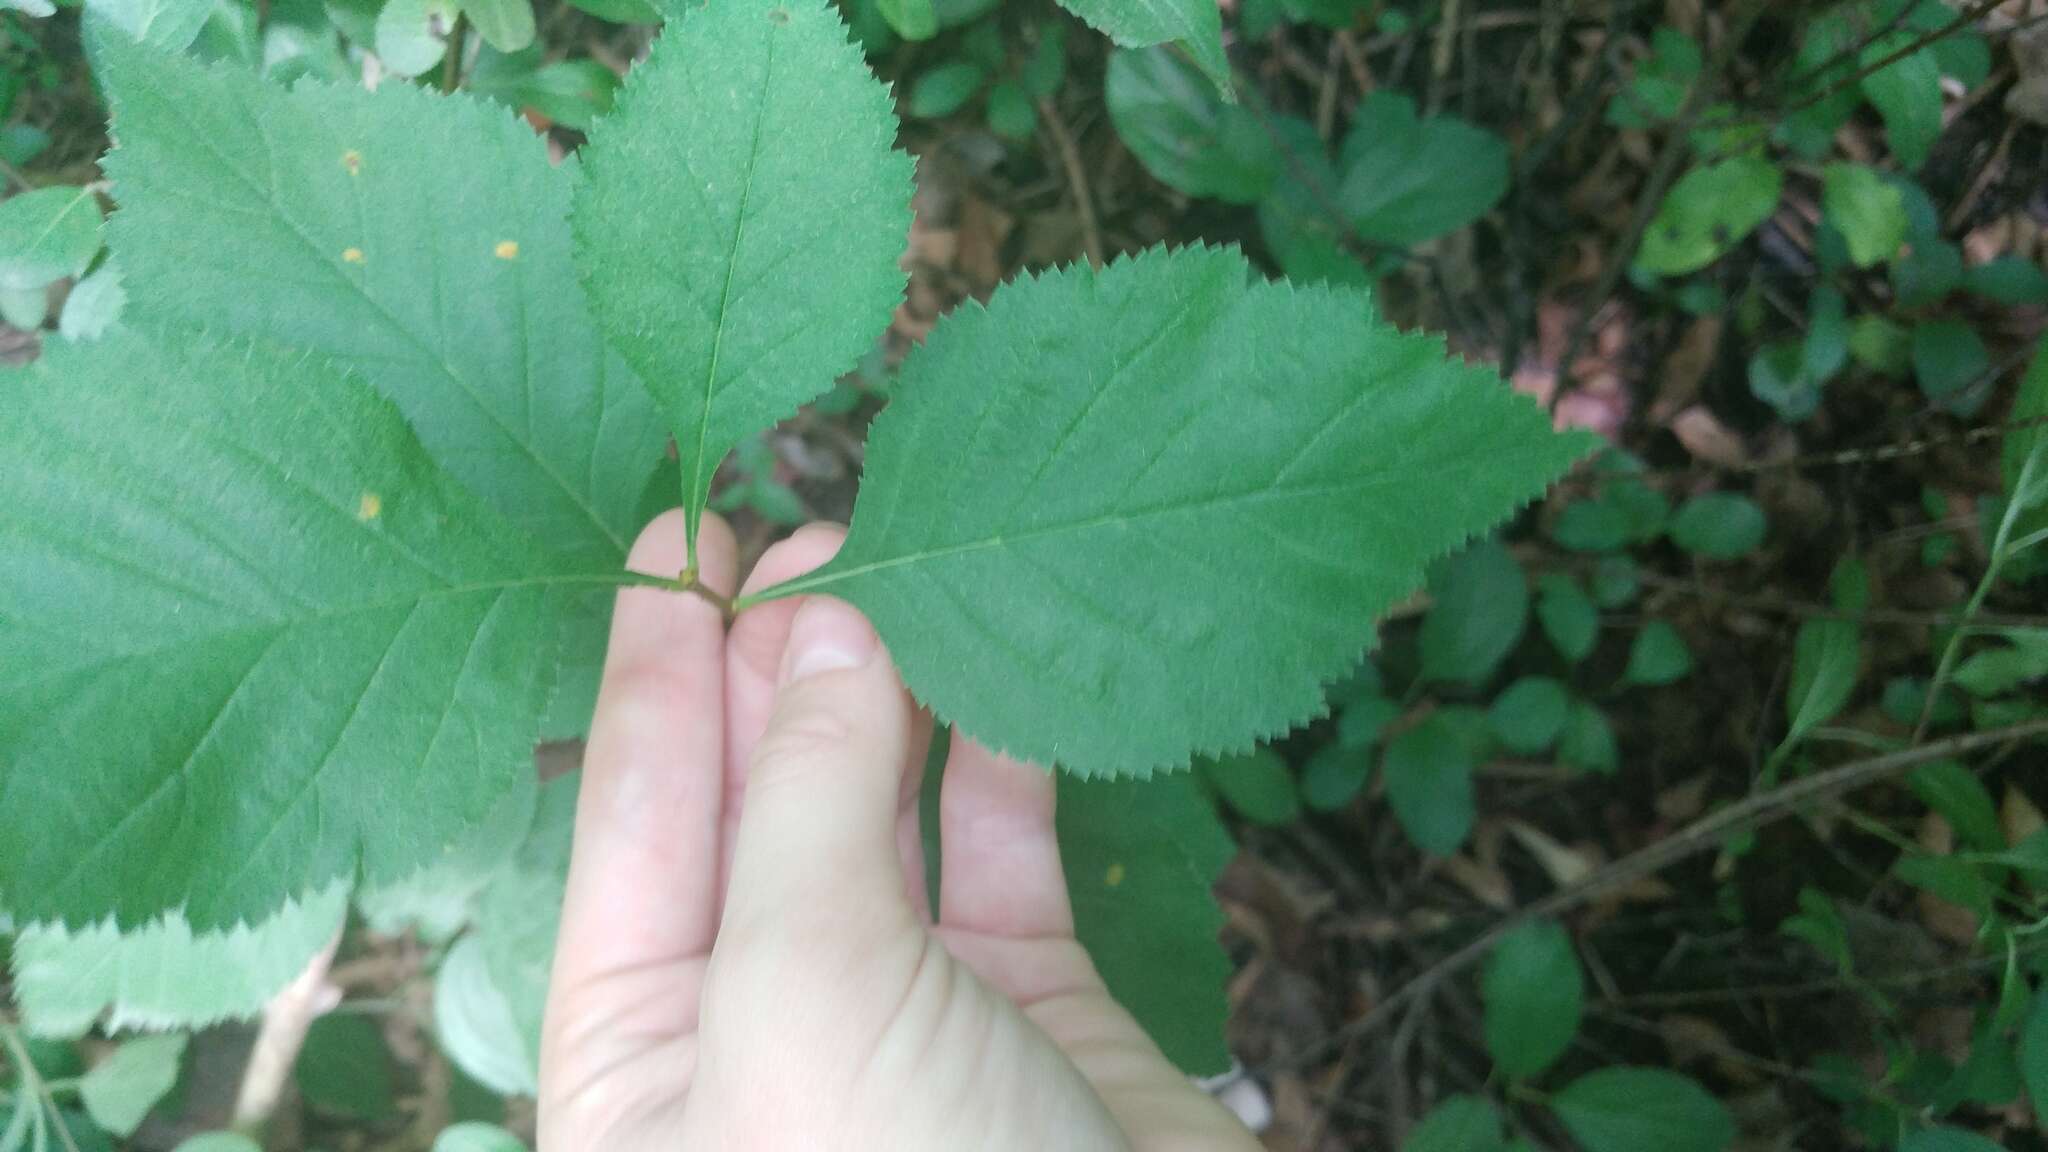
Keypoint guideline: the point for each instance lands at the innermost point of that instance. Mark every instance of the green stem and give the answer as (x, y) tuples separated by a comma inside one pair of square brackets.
[(2002, 549)]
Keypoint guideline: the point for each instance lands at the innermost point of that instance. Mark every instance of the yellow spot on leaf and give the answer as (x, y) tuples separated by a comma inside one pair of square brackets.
[(1115, 875), (371, 507), (352, 255), (507, 250), (352, 160)]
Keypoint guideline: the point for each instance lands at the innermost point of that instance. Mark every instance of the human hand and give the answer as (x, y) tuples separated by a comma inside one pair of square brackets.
[(747, 957)]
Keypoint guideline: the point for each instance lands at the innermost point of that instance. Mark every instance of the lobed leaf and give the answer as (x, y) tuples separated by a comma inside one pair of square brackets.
[(1119, 517), (740, 226), (325, 655)]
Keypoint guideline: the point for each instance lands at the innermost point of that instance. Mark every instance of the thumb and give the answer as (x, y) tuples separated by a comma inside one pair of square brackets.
[(817, 835)]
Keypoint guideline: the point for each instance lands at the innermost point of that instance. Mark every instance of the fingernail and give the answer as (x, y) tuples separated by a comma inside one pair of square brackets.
[(826, 636)]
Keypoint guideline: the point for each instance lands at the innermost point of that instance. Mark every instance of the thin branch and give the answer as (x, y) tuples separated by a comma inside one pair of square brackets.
[(286, 1020), (1755, 812)]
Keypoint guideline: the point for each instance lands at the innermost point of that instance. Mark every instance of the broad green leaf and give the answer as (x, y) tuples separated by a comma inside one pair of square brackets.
[(1334, 776), (418, 240), (519, 912), (168, 24), (219, 1142), (1300, 221), (1528, 716), (911, 19), (2009, 280), (572, 93), (1257, 785), (1959, 797), (1719, 526), (1410, 179), (1194, 24), (1632, 1109), (46, 235), (438, 900), (1907, 93), (1428, 771), (1011, 114), (476, 1137), (1141, 858), (412, 35), (1868, 212), (1186, 135), (94, 305), (476, 1025), (163, 975), (506, 25), (345, 1068), (1587, 742), (120, 1090), (1119, 516), (1948, 1140), (1826, 655), (1658, 656), (1708, 212), (343, 681), (1948, 357), (1616, 581), (1458, 1124), (1480, 608), (2033, 1053), (1535, 994), (767, 266), (943, 90), (1959, 882), (1567, 615)]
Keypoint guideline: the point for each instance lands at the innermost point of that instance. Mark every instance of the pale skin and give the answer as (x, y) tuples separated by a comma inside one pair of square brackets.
[(747, 956)]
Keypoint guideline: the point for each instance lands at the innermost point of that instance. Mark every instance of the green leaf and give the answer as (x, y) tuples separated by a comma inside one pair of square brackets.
[(1947, 1140), (1826, 655), (438, 900), (1119, 516), (1334, 776), (943, 90), (1303, 228), (219, 1142), (1479, 609), (94, 305), (2009, 280), (1408, 180), (46, 235), (911, 19), (1529, 715), (771, 266), (572, 93), (1959, 797), (1535, 994), (344, 1068), (120, 1090), (1194, 24), (1174, 122), (1257, 785), (1907, 93), (1590, 526), (1959, 882), (1948, 356), (1615, 581), (1458, 1124), (1820, 924), (163, 975), (1880, 345), (1587, 742), (1658, 656), (506, 25), (1719, 526), (1708, 212), (1869, 212), (412, 35), (1567, 615), (1428, 772), (476, 1137), (2033, 1054), (476, 1025), (519, 912), (2030, 416), (1657, 90), (343, 681), (1141, 857), (1632, 1109), (465, 319), (168, 24)]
